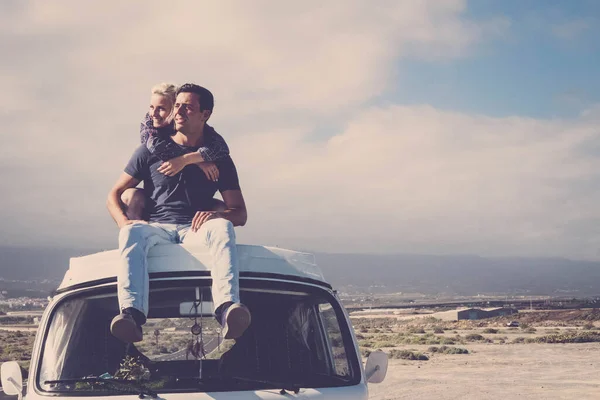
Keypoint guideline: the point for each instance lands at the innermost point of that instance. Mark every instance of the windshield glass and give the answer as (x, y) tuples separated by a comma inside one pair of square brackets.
[(298, 338)]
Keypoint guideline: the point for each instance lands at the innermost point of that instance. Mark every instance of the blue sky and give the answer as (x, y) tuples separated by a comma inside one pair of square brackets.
[(428, 126), (545, 64)]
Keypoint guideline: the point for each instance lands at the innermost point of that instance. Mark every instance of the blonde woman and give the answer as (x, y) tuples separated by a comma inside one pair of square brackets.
[(155, 131)]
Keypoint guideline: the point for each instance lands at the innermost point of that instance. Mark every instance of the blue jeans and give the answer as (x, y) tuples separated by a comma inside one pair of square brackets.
[(217, 235)]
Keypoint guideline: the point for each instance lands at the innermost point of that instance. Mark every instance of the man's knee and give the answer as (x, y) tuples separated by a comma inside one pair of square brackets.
[(221, 224), (132, 233), (135, 202), (220, 227)]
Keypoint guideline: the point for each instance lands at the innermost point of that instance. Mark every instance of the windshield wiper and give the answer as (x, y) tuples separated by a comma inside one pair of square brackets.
[(118, 384), (285, 386)]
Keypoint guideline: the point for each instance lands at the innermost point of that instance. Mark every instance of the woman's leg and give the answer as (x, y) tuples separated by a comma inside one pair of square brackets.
[(218, 205), (135, 203)]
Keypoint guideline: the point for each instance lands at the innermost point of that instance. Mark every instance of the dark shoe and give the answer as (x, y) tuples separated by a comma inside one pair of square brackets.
[(235, 320), (124, 327)]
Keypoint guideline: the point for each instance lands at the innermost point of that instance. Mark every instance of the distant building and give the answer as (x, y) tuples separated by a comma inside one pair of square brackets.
[(474, 313)]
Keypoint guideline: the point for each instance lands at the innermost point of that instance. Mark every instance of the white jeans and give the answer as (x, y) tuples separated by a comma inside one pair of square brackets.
[(135, 240)]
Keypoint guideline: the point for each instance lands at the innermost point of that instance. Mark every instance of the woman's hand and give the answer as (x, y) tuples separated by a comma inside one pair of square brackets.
[(210, 170), (173, 166)]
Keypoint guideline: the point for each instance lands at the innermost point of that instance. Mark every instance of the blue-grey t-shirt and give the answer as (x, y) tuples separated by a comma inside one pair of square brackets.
[(176, 199)]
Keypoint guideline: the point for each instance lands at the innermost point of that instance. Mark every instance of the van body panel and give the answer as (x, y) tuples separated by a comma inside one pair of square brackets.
[(259, 265), (357, 392), (181, 258)]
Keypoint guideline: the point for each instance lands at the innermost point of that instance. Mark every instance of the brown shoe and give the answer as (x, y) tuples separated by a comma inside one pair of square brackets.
[(235, 320), (124, 327)]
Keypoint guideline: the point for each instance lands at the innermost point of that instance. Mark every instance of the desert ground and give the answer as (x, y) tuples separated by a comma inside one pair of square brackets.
[(552, 355), (516, 371)]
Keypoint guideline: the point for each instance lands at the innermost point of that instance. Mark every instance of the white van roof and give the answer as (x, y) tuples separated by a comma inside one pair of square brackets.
[(178, 258)]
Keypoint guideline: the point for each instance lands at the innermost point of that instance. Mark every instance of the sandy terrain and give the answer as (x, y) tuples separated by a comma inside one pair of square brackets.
[(496, 371)]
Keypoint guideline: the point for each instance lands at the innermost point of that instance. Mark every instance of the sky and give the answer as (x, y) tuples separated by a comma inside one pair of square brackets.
[(416, 126)]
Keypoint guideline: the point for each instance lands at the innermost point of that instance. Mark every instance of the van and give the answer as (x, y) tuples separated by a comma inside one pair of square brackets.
[(300, 342)]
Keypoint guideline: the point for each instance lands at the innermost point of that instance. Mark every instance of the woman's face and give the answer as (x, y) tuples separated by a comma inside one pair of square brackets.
[(160, 110)]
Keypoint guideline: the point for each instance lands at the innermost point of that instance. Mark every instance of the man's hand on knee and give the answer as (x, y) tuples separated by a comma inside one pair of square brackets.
[(203, 216)]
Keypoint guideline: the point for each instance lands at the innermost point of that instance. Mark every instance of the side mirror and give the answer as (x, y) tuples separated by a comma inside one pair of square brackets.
[(377, 365), (12, 380)]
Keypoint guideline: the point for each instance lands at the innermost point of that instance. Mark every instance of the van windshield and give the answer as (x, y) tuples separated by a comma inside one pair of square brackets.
[(298, 338)]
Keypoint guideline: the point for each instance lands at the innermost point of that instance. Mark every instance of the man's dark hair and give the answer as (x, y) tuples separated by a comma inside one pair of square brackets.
[(205, 97)]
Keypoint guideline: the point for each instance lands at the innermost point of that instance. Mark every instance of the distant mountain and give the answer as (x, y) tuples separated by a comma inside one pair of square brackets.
[(37, 263), (461, 275), (428, 274)]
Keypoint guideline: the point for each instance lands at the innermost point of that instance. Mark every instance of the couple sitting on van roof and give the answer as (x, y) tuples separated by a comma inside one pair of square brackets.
[(182, 162)]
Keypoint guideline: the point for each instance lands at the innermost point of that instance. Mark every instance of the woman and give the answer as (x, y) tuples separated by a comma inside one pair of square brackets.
[(155, 131)]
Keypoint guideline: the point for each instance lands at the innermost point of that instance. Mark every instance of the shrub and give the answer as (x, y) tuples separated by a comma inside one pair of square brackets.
[(414, 330), (581, 337), (490, 330), (472, 337), (588, 326), (383, 344), (455, 350), (445, 340), (530, 330), (408, 355), (438, 329), (447, 350)]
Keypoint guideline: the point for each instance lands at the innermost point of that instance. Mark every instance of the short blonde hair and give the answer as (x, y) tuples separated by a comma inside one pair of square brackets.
[(168, 90)]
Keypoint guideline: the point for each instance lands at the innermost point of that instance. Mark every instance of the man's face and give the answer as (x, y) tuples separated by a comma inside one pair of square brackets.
[(188, 116), (160, 110)]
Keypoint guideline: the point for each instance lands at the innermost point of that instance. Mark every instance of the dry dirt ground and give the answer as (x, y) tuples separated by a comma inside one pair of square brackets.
[(497, 370), (516, 371)]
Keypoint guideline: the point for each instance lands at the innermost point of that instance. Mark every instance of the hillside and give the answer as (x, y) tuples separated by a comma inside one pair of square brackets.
[(428, 274)]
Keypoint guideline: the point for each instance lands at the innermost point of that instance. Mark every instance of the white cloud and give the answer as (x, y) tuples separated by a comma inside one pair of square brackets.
[(386, 179), (571, 30), (420, 179)]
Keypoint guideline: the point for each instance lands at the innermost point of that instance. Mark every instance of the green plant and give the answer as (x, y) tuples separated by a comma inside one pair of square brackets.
[(408, 355), (132, 368), (472, 337), (490, 330)]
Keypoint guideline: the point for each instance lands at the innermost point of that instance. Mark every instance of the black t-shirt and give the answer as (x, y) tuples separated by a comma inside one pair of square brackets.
[(176, 199)]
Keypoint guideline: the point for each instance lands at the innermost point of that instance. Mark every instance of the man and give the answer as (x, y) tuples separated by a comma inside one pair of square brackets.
[(180, 213)]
